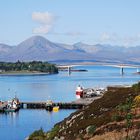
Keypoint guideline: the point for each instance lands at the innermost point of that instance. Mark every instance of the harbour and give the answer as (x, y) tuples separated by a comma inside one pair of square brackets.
[(84, 97), (77, 104)]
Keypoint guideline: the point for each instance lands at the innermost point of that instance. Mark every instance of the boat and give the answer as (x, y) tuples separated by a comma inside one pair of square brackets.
[(2, 106), (49, 105), (12, 105), (89, 92), (100, 91), (55, 108), (79, 92)]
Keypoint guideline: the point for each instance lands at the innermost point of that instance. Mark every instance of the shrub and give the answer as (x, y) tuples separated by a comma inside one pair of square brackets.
[(117, 117), (37, 135), (91, 129), (53, 133)]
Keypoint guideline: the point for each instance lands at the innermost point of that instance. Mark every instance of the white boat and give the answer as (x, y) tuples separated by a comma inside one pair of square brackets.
[(100, 91), (49, 105), (12, 105)]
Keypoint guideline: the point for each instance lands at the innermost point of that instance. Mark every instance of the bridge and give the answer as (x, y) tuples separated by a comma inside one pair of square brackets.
[(67, 67), (120, 66)]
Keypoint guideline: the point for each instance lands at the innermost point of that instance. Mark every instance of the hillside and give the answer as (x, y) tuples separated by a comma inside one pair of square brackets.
[(111, 117), (38, 48)]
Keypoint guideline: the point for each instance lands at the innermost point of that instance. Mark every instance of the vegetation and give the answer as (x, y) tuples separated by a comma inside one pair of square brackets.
[(34, 66), (41, 135), (91, 129), (120, 103), (52, 133), (124, 112), (37, 135)]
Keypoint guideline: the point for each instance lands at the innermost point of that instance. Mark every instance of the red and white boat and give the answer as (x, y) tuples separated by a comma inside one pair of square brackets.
[(79, 92)]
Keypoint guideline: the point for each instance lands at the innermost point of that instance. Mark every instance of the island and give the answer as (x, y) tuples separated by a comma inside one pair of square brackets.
[(33, 67)]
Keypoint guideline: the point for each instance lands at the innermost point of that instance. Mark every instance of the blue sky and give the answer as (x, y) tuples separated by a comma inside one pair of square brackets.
[(114, 22)]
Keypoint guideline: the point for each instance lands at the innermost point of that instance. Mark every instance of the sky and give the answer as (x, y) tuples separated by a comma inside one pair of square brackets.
[(115, 22)]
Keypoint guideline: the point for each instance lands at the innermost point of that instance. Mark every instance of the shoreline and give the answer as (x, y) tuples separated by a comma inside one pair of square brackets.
[(24, 73)]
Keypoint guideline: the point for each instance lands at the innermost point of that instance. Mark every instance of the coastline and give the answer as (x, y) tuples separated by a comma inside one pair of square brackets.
[(24, 73), (97, 114)]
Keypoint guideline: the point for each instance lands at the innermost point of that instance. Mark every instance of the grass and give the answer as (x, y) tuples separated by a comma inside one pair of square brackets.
[(53, 132)]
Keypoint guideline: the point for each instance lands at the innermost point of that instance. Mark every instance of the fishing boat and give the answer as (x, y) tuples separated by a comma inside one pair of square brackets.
[(2, 106), (12, 105), (79, 92), (49, 105)]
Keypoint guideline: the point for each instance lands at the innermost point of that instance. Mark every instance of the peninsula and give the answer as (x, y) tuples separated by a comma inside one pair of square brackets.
[(23, 68)]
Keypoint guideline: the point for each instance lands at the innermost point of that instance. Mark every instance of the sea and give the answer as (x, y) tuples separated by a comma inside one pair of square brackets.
[(56, 87)]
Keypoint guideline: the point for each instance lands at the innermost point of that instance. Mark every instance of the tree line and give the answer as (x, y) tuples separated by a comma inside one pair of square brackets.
[(38, 66)]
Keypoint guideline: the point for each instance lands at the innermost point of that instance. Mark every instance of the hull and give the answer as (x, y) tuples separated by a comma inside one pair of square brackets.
[(78, 96), (79, 92), (11, 109), (49, 108)]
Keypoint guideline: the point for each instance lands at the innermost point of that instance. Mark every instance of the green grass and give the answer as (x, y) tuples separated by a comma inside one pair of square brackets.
[(52, 133), (37, 135)]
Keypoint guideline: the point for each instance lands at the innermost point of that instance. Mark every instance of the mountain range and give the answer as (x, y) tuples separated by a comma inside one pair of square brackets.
[(40, 49)]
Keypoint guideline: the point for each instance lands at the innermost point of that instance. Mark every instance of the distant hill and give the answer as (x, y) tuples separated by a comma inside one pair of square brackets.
[(39, 48)]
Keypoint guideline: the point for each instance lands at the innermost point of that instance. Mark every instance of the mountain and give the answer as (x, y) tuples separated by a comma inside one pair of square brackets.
[(39, 48)]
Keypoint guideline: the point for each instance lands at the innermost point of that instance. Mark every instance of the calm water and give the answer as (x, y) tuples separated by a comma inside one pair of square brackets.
[(59, 87)]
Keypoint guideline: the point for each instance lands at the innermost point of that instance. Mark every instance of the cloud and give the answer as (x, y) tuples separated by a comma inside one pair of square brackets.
[(46, 21), (73, 34), (43, 18), (130, 40), (115, 38), (108, 37), (42, 29), (104, 37)]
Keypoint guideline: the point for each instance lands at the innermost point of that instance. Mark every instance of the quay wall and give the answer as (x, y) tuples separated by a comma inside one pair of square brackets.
[(42, 105)]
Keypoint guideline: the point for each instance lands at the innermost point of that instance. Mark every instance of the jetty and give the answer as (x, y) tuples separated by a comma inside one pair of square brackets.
[(85, 97), (77, 104)]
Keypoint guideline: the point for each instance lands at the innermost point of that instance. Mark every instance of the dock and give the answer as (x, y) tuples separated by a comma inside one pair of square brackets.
[(77, 104), (42, 105)]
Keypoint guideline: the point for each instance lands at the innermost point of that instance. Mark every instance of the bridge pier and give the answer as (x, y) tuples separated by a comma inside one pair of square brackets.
[(121, 70), (69, 70)]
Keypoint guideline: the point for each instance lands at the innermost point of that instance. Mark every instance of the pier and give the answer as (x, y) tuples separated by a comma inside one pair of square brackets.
[(42, 105), (78, 104)]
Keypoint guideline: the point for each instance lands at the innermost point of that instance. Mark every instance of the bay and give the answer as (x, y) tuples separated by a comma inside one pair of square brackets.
[(58, 88)]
